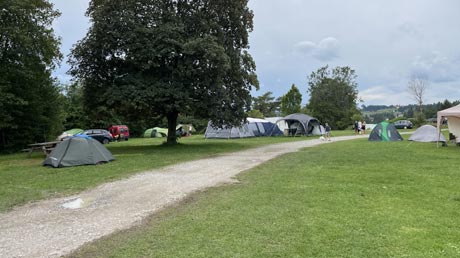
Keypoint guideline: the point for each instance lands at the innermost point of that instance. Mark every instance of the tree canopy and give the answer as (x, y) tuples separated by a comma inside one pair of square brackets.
[(291, 102), (29, 50), (333, 95), (165, 58), (266, 104)]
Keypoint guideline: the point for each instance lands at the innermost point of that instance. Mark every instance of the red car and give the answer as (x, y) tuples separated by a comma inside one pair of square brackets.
[(119, 132)]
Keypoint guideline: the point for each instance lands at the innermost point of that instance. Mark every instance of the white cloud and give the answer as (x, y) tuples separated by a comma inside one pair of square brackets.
[(437, 67), (438, 92), (383, 95), (326, 50), (305, 46)]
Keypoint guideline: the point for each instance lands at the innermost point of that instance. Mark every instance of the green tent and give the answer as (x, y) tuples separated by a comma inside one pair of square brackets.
[(74, 131), (76, 151), (69, 133), (155, 132), (384, 132)]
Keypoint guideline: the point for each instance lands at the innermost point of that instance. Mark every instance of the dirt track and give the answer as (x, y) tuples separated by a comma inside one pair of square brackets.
[(55, 227)]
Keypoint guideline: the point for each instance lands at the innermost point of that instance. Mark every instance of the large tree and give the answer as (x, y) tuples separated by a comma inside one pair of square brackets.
[(29, 97), (266, 104), (333, 95), (165, 58), (292, 101)]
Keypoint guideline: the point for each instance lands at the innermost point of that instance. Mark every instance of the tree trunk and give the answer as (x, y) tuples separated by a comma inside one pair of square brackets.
[(172, 123)]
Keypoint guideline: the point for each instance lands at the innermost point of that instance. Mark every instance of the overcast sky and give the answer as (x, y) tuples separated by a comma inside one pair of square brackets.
[(385, 41)]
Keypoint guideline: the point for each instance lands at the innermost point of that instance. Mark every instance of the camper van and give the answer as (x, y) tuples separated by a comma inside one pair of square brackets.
[(119, 132)]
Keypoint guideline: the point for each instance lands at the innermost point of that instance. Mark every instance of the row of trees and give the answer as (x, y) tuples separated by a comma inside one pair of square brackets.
[(333, 98), (139, 60), (29, 97), (142, 62)]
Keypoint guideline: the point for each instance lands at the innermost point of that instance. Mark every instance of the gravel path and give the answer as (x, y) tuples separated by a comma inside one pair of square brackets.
[(55, 227)]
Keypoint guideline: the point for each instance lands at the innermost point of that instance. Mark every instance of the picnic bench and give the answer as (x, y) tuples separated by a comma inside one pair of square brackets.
[(45, 147)]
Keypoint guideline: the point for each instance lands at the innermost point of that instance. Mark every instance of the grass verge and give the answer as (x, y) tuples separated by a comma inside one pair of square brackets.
[(346, 199), (24, 179)]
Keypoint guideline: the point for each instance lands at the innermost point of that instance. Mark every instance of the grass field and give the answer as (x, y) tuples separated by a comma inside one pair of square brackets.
[(24, 179), (346, 199)]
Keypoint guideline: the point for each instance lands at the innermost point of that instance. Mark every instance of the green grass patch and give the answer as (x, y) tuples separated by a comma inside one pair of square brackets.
[(346, 199), (24, 179)]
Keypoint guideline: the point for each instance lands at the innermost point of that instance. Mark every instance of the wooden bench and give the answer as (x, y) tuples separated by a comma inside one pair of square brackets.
[(45, 147)]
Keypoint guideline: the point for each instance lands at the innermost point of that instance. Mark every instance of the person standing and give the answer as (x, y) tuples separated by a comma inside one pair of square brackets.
[(328, 132), (364, 127), (360, 125)]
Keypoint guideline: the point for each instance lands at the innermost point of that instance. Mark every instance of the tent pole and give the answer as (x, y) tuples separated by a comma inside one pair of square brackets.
[(439, 131)]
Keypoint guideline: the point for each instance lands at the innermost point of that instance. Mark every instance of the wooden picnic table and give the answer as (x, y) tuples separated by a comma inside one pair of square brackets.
[(46, 147)]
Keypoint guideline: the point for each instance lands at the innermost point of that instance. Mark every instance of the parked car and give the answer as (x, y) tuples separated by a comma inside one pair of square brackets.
[(403, 124), (101, 135), (119, 132)]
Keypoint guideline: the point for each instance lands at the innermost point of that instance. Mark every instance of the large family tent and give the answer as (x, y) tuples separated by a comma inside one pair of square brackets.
[(385, 132), (453, 121), (78, 150), (301, 124), (427, 133), (262, 127), (228, 132), (253, 127), (278, 121)]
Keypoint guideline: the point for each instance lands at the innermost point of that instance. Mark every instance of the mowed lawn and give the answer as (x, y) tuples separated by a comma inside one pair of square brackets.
[(345, 199), (24, 179)]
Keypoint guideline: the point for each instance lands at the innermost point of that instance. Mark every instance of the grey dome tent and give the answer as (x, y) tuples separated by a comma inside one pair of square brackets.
[(78, 150), (228, 132), (253, 127), (301, 124), (427, 133), (385, 132)]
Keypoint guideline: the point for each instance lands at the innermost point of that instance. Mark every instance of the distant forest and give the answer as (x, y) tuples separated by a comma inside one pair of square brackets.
[(378, 113)]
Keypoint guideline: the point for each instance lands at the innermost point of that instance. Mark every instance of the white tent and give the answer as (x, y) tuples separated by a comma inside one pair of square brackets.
[(453, 120), (426, 133)]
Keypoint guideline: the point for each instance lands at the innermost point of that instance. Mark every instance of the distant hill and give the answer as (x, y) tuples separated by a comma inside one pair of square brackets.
[(374, 108), (378, 113)]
